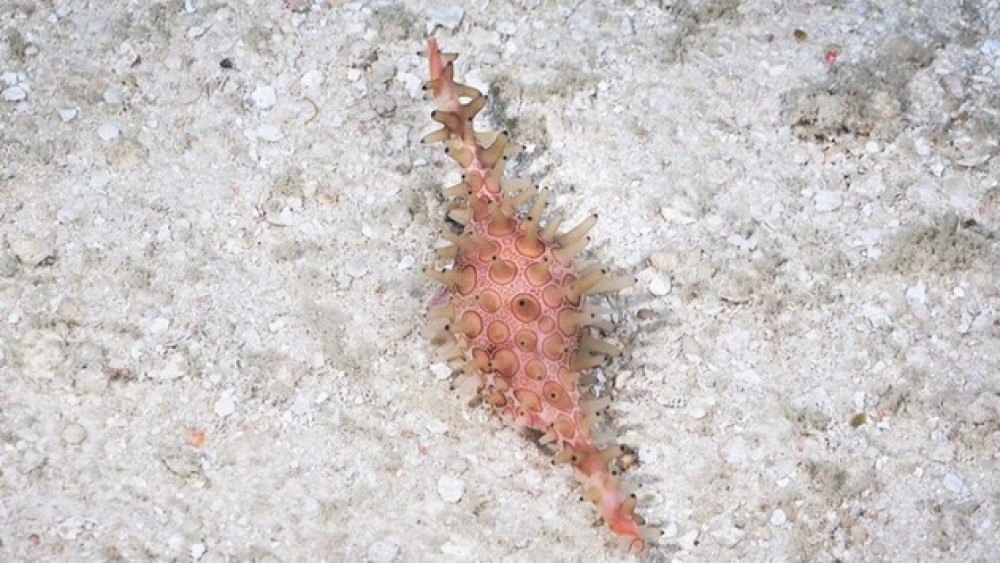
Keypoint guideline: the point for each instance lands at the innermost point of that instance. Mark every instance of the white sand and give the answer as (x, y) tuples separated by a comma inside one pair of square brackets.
[(192, 252)]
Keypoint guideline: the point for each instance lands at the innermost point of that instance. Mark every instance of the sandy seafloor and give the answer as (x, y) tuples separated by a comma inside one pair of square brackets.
[(211, 302)]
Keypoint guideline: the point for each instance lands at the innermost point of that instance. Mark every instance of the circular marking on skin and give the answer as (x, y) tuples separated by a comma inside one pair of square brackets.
[(502, 271), (505, 362), (497, 332), (502, 227), (552, 296), (568, 378), (572, 297), (526, 341), (500, 383), (466, 280), (535, 369), (496, 398), (567, 321), (553, 347), (488, 250), (529, 245), (556, 396), (480, 357), (564, 427), (546, 324), (525, 307), (538, 274), (476, 322), (489, 300), (528, 400)]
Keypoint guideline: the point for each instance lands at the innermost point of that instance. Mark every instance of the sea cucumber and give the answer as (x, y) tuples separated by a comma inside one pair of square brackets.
[(513, 322)]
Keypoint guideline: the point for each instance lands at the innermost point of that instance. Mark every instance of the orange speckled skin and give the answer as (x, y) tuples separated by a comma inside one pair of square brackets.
[(513, 316)]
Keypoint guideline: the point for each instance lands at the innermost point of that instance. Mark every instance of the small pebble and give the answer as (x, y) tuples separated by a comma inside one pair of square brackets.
[(383, 72), (778, 517), (14, 93), (312, 81), (172, 367), (827, 200), (436, 426), (269, 133), (441, 370), (688, 540), (450, 488), (691, 349), (30, 461), (991, 48), (922, 146), (916, 296), (100, 179), (973, 161), (31, 251), (406, 262), (663, 261), (622, 379), (659, 286), (726, 534), (699, 408), (673, 215), (383, 104), (859, 400), (91, 380), (943, 453), (67, 115), (446, 16), (159, 325), (983, 321), (73, 434), (382, 551), (917, 293), (226, 405), (735, 451), (356, 267), (112, 96), (43, 354), (264, 97), (953, 483), (197, 550), (507, 28), (108, 131)]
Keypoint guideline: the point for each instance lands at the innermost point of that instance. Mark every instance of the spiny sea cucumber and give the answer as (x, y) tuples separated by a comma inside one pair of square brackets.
[(513, 322)]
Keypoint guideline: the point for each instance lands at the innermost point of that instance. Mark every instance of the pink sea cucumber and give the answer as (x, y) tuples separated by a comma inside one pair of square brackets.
[(514, 324)]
